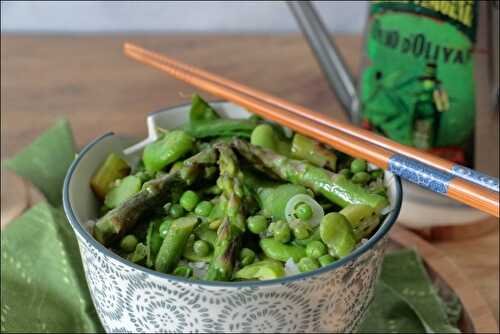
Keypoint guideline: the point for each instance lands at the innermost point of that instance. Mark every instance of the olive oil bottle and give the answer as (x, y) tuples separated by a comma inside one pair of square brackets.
[(417, 84)]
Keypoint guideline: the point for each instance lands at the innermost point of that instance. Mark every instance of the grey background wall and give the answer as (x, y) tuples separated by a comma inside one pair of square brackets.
[(172, 16)]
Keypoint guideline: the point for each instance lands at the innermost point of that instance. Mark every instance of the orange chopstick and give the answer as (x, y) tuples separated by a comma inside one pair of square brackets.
[(410, 169)]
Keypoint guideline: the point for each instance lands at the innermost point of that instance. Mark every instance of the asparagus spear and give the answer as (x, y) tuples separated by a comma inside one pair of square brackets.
[(153, 194), (233, 224), (337, 188)]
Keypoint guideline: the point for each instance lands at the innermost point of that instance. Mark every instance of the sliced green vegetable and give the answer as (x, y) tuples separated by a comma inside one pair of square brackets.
[(112, 169), (262, 270), (127, 187)]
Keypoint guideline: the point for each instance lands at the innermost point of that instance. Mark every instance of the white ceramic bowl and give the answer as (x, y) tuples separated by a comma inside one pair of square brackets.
[(132, 298)]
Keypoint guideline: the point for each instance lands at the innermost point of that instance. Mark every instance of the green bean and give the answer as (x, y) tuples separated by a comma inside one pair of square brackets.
[(189, 200), (128, 243), (183, 271), (126, 188), (174, 242), (176, 211), (336, 232), (279, 251), (307, 264), (168, 149), (358, 165), (315, 249), (246, 256), (201, 248), (112, 169), (257, 224), (305, 148), (262, 270), (325, 260), (203, 208), (281, 231), (303, 212)]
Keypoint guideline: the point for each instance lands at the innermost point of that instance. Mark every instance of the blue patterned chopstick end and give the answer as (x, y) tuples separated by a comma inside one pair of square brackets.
[(476, 177), (419, 173)]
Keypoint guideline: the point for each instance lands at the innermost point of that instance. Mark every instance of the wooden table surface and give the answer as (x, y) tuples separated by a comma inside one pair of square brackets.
[(88, 81)]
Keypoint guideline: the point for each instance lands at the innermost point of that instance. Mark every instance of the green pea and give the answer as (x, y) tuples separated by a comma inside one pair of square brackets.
[(361, 177), (358, 165), (346, 172), (301, 231), (183, 271), (176, 211), (165, 225), (189, 199), (326, 259), (128, 243), (247, 256), (281, 231), (201, 248), (303, 212), (315, 249), (203, 208), (307, 264), (257, 224)]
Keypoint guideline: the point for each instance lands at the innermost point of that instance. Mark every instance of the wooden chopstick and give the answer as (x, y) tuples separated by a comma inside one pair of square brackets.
[(408, 168), (457, 170)]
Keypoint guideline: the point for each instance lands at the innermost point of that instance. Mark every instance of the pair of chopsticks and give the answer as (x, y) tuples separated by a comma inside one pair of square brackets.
[(460, 183)]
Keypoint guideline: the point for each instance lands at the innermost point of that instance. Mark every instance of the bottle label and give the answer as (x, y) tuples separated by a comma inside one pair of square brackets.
[(418, 87)]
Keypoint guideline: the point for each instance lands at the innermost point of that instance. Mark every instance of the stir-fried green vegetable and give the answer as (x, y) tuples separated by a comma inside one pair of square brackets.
[(236, 199)]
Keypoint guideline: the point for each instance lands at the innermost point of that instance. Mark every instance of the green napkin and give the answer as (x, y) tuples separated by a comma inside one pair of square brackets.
[(43, 286)]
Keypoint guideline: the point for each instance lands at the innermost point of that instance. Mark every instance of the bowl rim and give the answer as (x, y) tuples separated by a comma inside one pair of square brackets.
[(85, 234)]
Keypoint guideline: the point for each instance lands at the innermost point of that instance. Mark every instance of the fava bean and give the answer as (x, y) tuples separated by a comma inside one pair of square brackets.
[(307, 264), (279, 251), (315, 249), (336, 232)]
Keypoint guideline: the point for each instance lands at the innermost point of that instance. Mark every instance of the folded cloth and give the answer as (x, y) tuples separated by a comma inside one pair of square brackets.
[(43, 287)]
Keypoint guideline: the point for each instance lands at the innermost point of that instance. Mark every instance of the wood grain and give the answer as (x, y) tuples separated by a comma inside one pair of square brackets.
[(90, 82)]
